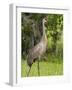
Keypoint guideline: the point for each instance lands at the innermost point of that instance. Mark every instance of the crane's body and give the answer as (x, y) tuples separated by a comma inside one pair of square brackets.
[(39, 49)]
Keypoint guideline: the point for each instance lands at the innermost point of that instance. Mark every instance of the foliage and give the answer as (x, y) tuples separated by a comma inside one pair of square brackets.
[(55, 30)]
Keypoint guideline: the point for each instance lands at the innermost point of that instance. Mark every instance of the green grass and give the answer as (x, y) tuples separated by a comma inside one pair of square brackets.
[(46, 68)]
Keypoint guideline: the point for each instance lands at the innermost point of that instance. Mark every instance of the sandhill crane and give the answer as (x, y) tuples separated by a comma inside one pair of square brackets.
[(38, 50)]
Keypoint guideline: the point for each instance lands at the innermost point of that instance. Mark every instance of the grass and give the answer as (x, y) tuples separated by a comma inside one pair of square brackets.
[(47, 68)]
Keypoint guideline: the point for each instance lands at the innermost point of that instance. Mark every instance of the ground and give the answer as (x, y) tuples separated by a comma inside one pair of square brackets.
[(46, 68)]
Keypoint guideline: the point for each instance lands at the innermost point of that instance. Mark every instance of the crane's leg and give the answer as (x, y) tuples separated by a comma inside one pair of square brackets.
[(28, 72), (38, 69)]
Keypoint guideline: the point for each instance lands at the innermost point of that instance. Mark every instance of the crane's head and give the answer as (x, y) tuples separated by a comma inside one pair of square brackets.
[(45, 19)]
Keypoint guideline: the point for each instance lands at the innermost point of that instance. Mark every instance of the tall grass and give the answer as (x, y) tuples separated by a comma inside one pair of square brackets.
[(52, 66)]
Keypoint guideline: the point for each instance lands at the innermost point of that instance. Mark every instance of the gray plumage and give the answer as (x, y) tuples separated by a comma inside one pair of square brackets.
[(39, 49)]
